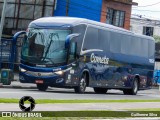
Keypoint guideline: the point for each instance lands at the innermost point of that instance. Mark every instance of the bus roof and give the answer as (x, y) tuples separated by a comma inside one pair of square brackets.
[(72, 21)]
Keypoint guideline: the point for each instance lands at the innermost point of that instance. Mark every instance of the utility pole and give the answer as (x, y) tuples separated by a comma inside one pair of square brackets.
[(18, 13), (3, 18), (54, 5), (43, 8), (67, 7)]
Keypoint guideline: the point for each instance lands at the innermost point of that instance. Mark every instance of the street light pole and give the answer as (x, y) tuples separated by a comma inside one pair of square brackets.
[(3, 18), (67, 7)]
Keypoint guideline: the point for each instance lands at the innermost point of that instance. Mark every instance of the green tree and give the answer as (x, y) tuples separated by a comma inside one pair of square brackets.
[(157, 38)]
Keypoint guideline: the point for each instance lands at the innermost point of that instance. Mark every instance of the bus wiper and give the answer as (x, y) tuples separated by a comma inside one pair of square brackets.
[(51, 35), (47, 50)]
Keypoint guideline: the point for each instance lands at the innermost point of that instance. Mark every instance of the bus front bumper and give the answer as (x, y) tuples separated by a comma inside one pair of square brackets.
[(55, 80)]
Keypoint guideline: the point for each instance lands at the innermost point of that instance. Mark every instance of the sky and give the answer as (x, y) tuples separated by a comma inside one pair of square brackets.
[(147, 8)]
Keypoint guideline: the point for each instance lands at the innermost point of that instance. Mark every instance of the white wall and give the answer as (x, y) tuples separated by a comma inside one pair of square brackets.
[(138, 24)]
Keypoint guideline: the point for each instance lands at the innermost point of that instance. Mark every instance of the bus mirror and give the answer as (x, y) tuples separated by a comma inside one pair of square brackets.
[(70, 37)]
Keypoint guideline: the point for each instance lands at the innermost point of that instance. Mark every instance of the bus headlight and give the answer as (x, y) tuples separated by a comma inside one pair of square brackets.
[(22, 70), (59, 72)]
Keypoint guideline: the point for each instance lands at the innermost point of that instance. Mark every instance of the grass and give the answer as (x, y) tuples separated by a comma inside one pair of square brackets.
[(56, 118), (96, 114), (45, 101), (87, 115)]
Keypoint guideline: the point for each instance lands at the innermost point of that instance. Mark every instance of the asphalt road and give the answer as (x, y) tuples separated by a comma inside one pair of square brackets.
[(57, 93)]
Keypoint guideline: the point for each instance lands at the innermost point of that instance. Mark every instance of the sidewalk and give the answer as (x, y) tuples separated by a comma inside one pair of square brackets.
[(17, 84), (84, 106)]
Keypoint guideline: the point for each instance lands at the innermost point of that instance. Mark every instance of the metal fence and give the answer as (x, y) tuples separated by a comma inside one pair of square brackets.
[(6, 53)]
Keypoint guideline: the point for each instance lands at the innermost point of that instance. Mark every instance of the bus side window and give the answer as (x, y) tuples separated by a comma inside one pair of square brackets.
[(72, 52)]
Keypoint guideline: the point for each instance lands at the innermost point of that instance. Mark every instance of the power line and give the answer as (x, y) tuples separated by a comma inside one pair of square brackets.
[(149, 5), (145, 10)]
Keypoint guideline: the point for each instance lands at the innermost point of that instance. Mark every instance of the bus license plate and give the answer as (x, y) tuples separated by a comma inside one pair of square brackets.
[(39, 81)]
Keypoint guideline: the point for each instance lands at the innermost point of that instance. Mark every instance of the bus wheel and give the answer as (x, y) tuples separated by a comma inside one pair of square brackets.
[(42, 87), (133, 90), (82, 85), (100, 90)]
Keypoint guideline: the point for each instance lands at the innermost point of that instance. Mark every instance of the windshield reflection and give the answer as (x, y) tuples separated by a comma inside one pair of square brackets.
[(45, 46)]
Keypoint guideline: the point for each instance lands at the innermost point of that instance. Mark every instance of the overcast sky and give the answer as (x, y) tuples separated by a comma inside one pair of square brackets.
[(152, 11)]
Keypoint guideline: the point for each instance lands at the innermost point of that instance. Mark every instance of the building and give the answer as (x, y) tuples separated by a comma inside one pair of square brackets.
[(90, 9), (115, 12), (145, 26), (20, 13)]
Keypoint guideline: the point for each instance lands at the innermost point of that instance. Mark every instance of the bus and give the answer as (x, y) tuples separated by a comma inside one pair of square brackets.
[(69, 52)]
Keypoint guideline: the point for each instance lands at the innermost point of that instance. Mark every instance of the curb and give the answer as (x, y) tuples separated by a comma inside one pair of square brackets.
[(18, 87)]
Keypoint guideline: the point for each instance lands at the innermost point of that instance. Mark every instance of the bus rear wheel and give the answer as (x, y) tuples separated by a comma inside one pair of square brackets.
[(100, 90), (82, 85), (42, 87), (133, 90)]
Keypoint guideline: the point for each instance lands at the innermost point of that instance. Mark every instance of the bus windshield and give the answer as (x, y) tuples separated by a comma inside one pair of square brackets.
[(45, 46)]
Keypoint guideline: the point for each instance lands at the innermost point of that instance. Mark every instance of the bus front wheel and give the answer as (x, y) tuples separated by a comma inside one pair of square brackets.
[(42, 87), (82, 85)]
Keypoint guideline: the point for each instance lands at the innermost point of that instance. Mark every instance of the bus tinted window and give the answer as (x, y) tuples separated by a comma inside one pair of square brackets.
[(125, 44), (135, 47), (104, 38), (144, 47), (150, 48), (81, 30), (115, 43), (91, 39)]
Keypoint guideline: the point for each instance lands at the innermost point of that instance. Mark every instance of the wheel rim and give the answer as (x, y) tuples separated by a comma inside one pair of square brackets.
[(135, 86), (82, 84)]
